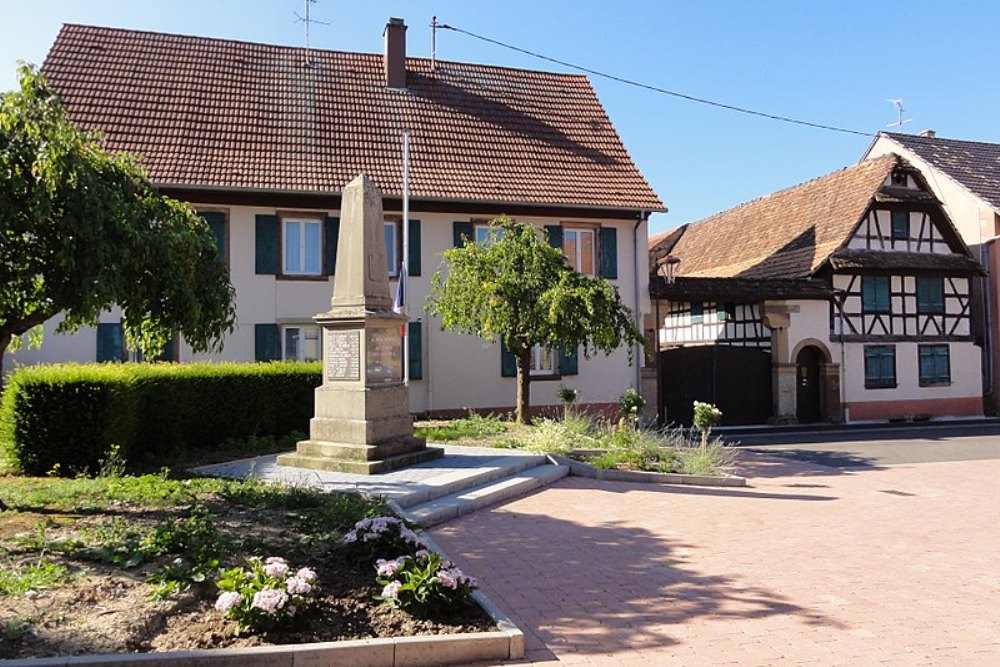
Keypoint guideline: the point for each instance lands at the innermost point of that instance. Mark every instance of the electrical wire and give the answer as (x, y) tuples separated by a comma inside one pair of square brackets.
[(656, 89)]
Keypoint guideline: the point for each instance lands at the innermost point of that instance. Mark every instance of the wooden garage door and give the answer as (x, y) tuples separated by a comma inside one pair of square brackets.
[(736, 379)]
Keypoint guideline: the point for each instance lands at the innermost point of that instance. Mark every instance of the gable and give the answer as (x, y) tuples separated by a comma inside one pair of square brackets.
[(974, 165)]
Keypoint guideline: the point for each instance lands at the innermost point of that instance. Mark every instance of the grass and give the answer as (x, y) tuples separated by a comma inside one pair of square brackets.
[(473, 427), (623, 447), (170, 527), (17, 580)]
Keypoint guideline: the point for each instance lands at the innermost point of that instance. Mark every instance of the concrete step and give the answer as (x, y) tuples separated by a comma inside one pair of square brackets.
[(469, 500), (329, 464), (459, 479)]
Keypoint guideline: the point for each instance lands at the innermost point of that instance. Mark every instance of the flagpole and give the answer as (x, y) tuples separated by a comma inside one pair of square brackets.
[(404, 269)]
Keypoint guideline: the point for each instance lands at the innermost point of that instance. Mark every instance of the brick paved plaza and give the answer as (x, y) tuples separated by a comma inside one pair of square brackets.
[(896, 565)]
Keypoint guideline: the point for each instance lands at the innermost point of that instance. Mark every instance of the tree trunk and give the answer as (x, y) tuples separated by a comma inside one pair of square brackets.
[(524, 387)]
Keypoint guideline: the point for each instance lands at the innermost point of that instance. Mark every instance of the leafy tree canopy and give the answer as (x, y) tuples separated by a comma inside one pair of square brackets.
[(82, 230), (518, 288)]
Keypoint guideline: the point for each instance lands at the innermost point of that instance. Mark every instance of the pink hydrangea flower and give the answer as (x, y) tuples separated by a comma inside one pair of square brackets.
[(297, 586), (387, 568), (269, 599), (277, 569), (391, 590), (227, 601), (306, 574)]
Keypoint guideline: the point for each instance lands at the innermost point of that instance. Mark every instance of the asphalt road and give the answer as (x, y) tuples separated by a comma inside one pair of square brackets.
[(871, 447)]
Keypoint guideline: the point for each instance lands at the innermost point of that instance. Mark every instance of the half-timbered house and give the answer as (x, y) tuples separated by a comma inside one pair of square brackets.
[(844, 298), (965, 176)]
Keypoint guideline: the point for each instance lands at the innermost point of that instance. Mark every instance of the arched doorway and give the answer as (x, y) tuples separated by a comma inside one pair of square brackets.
[(807, 405)]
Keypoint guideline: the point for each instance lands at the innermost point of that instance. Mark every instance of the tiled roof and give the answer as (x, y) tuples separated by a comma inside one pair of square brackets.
[(855, 258), (974, 164), (737, 290), (237, 115), (787, 234)]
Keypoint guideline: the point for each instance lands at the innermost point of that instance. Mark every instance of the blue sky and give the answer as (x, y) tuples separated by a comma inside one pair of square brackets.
[(835, 63)]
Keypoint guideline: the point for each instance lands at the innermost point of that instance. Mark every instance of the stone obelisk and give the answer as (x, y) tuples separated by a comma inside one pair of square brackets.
[(362, 421)]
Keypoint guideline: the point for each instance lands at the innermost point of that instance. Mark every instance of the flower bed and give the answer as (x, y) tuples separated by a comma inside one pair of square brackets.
[(152, 564)]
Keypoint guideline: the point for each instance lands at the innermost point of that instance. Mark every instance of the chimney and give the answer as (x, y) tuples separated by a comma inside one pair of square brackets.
[(395, 53), (929, 134)]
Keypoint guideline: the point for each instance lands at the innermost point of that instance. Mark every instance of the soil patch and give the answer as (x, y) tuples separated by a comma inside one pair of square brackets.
[(107, 607)]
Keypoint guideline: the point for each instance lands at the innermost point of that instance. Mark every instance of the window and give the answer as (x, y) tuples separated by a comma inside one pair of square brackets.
[(543, 361), (935, 364), (900, 225), (391, 257), (303, 247), (880, 366), (580, 249), (875, 294), (697, 312), (301, 343), (486, 235), (930, 295)]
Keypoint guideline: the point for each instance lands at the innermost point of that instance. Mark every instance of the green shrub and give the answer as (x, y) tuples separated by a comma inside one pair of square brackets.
[(67, 417), (707, 461)]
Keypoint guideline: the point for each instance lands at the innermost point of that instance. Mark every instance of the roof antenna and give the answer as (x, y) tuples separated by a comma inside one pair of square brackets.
[(900, 121), (305, 20), (434, 34)]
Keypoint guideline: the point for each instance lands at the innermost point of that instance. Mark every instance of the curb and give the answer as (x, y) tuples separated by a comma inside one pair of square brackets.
[(584, 470), (423, 651)]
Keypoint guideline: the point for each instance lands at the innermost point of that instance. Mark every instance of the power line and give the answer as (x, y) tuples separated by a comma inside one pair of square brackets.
[(656, 89)]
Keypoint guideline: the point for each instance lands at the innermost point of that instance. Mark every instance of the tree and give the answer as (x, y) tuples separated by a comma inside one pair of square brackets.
[(82, 230), (520, 289)]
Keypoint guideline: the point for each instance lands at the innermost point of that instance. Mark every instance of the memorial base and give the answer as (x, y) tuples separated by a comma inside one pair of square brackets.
[(360, 459)]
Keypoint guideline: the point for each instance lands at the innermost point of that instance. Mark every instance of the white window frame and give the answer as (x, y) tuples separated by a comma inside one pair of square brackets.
[(538, 354), (301, 328), (576, 261), (487, 239), (392, 259), (300, 269)]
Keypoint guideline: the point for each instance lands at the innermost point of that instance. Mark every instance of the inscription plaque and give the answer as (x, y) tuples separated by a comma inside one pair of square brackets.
[(343, 355), (384, 362)]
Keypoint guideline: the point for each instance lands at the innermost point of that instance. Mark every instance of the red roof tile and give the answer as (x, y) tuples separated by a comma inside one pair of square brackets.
[(787, 234), (237, 115)]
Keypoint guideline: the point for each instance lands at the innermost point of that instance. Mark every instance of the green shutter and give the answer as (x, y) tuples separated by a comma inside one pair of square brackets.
[(413, 258), (414, 332), (267, 342), (609, 252), (110, 342), (217, 223), (331, 235), (555, 234), (266, 241), (568, 362), (461, 228), (508, 362)]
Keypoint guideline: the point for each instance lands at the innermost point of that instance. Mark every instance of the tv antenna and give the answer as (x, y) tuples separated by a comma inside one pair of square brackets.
[(307, 21), (900, 121)]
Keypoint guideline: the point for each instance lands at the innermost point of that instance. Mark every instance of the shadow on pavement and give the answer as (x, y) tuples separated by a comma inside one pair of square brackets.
[(606, 589), (774, 462)]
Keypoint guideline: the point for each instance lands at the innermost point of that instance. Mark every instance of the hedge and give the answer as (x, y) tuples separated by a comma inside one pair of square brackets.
[(71, 414)]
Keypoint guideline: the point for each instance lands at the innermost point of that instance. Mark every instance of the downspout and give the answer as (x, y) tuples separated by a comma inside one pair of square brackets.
[(988, 337), (642, 217)]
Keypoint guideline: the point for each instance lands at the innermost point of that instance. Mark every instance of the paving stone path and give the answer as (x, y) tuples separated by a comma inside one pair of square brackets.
[(896, 565)]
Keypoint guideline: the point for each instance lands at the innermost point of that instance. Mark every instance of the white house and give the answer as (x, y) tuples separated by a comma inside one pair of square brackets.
[(846, 297), (261, 139), (965, 176)]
